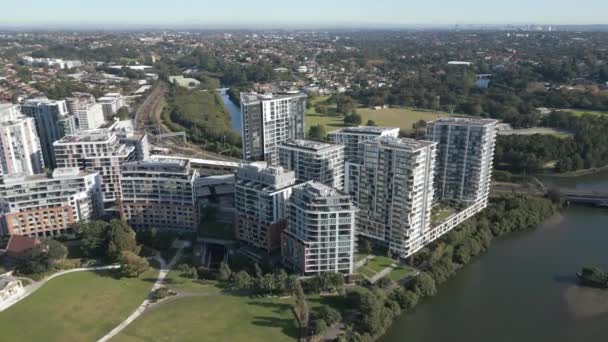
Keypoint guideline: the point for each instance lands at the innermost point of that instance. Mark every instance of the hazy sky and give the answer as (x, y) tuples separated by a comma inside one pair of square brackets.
[(244, 13)]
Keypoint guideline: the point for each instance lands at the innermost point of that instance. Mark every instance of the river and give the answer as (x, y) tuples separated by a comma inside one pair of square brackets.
[(524, 288), (233, 109)]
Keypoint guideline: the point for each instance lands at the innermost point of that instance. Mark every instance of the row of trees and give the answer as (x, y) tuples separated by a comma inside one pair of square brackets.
[(587, 148), (376, 309)]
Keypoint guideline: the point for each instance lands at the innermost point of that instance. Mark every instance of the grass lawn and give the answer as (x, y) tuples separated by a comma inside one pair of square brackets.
[(216, 318), (441, 215), (403, 117), (175, 281), (81, 306), (379, 263)]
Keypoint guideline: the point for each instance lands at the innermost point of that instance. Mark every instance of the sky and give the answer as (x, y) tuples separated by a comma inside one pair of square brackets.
[(290, 13)]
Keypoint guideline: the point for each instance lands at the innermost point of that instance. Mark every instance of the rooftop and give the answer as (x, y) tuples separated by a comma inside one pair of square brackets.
[(161, 165), (310, 145), (251, 98), (463, 121), (99, 135), (365, 129), (401, 143)]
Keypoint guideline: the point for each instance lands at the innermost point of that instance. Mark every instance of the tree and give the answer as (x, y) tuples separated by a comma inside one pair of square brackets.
[(353, 119), (123, 113), (133, 265), (328, 314), (317, 132), (424, 285), (93, 238), (36, 262), (242, 280), (317, 326), (365, 247), (120, 238), (371, 123), (301, 310), (187, 271), (224, 272), (55, 250), (406, 298)]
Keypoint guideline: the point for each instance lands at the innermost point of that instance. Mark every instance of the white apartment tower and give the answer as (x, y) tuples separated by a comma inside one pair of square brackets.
[(269, 120), (111, 103), (351, 137), (261, 194), (44, 206), (96, 151), (465, 152), (20, 150), (313, 160), (320, 234), (79, 101), (90, 117), (159, 193), (394, 191)]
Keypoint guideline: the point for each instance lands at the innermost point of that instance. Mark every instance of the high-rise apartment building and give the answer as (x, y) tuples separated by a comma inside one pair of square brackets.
[(111, 103), (79, 101), (313, 160), (45, 206), (96, 151), (261, 194), (351, 137), (394, 193), (320, 234), (159, 193), (465, 152), (52, 123), (90, 117), (20, 150), (269, 120)]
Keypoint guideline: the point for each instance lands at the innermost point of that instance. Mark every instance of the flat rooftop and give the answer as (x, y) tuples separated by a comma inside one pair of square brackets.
[(401, 143), (365, 129), (310, 145), (86, 136), (456, 121), (168, 165), (251, 98)]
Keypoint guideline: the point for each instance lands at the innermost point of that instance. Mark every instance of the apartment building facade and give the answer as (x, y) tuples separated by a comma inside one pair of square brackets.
[(159, 193), (261, 194), (394, 191), (465, 153), (351, 137), (97, 151), (45, 206), (320, 234), (312, 160), (20, 150), (269, 120), (90, 117), (53, 122)]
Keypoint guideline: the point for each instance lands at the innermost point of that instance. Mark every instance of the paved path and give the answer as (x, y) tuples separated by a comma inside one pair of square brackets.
[(28, 290), (162, 274)]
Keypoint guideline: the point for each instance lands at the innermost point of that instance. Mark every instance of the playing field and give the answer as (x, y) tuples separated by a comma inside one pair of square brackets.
[(402, 117), (80, 306), (216, 318)]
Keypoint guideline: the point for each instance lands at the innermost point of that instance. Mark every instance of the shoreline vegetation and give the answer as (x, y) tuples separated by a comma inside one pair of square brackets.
[(377, 309), (577, 173), (593, 277)]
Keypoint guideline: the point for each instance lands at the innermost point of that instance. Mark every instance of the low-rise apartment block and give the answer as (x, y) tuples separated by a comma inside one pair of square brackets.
[(159, 193), (43, 206)]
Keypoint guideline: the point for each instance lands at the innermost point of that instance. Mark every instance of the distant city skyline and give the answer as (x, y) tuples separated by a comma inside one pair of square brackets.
[(283, 14)]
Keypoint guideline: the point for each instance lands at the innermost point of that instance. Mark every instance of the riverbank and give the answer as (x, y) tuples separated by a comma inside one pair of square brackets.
[(577, 173), (446, 257)]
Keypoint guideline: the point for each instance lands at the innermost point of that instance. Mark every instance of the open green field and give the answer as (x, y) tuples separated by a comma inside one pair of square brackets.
[(379, 263), (216, 318), (81, 306), (176, 281), (403, 117)]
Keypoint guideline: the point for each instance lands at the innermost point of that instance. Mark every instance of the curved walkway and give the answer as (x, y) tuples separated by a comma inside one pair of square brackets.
[(34, 286), (162, 274)]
